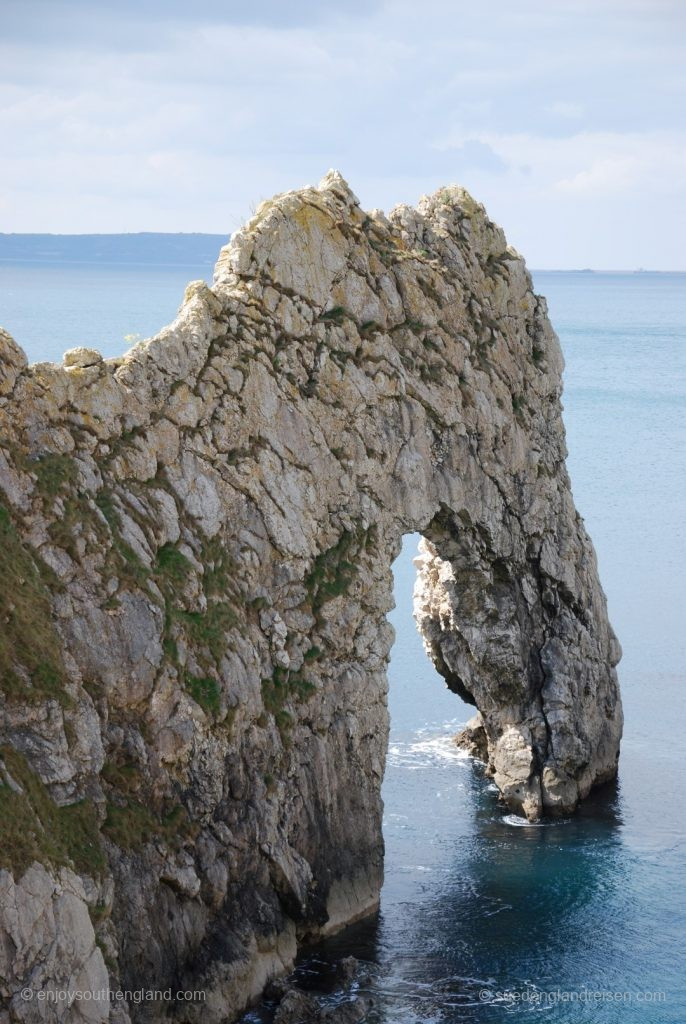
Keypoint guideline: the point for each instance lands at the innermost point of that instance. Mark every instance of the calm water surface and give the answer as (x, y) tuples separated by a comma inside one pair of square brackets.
[(481, 914), (48, 308)]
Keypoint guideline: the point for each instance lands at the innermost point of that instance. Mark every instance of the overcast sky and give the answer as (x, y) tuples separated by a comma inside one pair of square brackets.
[(565, 117)]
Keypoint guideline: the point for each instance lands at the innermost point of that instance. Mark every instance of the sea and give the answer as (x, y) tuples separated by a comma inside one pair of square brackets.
[(484, 917)]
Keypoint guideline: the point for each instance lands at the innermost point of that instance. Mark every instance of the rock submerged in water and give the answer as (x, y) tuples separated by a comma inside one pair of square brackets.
[(295, 1006), (298, 1007), (196, 549)]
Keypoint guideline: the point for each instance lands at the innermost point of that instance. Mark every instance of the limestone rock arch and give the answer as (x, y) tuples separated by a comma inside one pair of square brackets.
[(215, 515)]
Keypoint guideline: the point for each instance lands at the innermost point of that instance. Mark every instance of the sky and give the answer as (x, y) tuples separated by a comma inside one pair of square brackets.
[(566, 118)]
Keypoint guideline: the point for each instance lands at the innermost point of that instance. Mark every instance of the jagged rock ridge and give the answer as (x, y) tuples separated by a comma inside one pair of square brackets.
[(198, 539)]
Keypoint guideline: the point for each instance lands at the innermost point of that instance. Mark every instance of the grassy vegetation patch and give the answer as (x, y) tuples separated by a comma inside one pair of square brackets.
[(334, 570), (172, 564), (383, 251), (518, 406), (131, 824), (124, 776), (34, 828), (63, 529), (205, 692), (283, 687), (220, 576), (416, 326), (206, 630), (132, 819), (105, 502), (53, 473), (336, 315), (128, 566), (28, 639)]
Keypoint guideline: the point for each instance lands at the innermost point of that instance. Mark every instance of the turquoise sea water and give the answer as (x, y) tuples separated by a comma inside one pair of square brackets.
[(483, 918), (50, 307)]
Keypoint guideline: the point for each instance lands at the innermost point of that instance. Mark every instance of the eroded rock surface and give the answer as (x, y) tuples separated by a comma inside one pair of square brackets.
[(197, 541)]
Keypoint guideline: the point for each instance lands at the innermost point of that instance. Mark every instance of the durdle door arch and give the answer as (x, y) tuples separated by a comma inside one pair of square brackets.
[(207, 526)]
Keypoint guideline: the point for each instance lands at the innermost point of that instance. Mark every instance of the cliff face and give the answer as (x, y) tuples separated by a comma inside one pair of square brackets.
[(197, 541)]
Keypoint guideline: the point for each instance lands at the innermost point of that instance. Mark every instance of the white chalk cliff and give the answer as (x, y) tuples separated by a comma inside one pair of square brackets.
[(197, 541)]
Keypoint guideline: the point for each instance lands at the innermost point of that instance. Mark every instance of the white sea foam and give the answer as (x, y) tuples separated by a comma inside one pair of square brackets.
[(520, 822), (426, 751)]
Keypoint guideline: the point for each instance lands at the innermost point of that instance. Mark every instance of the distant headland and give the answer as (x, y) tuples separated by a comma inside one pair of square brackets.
[(144, 247)]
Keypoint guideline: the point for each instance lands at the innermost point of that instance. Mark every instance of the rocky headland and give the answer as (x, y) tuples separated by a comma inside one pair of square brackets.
[(197, 541)]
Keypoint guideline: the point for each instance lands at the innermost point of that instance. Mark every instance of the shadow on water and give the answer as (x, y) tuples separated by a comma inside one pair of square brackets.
[(515, 908)]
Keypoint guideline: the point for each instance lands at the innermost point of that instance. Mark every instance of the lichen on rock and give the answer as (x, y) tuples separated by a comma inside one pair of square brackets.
[(204, 530)]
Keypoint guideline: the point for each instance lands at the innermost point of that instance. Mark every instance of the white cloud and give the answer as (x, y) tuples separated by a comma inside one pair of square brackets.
[(598, 163), (567, 109), (149, 116), (605, 176)]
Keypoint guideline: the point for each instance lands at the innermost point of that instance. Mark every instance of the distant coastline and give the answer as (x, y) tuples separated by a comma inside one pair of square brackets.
[(172, 249), (143, 249), (587, 271)]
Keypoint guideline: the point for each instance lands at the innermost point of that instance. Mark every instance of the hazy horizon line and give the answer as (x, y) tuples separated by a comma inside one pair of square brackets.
[(223, 238)]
